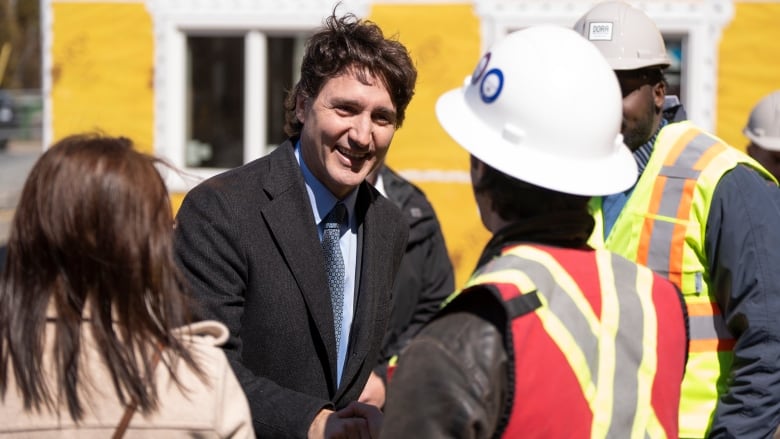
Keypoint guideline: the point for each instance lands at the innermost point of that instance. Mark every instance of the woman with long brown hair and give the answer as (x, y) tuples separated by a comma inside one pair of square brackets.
[(93, 319)]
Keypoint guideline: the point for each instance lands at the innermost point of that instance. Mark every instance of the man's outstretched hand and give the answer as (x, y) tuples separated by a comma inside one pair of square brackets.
[(357, 420)]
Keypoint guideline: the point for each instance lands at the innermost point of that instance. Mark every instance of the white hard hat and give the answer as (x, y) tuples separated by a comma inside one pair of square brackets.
[(625, 35), (763, 126), (543, 106)]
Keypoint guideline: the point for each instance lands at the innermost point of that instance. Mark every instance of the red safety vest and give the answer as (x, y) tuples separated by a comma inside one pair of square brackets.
[(597, 344)]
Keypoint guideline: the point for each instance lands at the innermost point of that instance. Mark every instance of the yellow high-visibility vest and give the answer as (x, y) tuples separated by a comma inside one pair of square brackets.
[(663, 226)]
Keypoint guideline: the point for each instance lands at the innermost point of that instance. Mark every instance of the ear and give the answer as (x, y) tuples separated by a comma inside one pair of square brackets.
[(300, 108), (473, 162), (659, 95), (477, 168)]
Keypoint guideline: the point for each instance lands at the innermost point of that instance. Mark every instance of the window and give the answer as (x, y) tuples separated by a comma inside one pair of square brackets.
[(284, 61), (216, 93), (215, 102), (674, 74), (222, 72)]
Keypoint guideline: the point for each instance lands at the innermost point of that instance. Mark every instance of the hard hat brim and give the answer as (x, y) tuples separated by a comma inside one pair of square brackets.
[(636, 64), (768, 143), (588, 176)]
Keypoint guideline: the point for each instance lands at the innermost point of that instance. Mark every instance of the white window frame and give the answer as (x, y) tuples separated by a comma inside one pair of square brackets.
[(699, 22), (174, 20)]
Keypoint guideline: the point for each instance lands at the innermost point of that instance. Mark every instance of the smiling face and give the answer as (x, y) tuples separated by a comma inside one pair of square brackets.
[(347, 129)]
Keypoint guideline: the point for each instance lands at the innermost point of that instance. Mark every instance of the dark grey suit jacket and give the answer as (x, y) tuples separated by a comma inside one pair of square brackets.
[(247, 242)]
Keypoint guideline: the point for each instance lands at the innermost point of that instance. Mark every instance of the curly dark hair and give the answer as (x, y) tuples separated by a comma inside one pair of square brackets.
[(349, 44)]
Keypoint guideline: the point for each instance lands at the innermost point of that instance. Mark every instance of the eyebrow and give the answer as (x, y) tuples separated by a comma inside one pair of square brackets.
[(386, 111)]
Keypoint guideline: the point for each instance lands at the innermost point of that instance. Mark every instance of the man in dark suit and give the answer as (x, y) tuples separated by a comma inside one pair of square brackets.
[(249, 240)]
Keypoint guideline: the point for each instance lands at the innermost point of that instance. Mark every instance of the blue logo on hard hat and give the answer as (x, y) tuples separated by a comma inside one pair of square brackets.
[(480, 69), (491, 85)]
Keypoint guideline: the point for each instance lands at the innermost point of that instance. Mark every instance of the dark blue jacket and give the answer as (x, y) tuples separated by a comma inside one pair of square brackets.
[(742, 242)]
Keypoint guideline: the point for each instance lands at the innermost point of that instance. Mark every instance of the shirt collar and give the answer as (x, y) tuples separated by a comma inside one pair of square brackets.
[(642, 154), (380, 184), (321, 199)]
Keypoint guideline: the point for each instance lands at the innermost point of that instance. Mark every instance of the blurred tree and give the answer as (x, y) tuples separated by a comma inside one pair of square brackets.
[(20, 27)]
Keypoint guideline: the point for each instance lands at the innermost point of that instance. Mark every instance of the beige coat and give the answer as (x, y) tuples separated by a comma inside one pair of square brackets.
[(217, 409)]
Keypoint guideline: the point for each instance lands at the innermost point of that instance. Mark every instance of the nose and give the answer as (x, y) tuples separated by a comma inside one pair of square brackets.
[(361, 131)]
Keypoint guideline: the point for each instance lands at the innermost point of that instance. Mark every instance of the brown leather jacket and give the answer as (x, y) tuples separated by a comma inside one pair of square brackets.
[(466, 395)]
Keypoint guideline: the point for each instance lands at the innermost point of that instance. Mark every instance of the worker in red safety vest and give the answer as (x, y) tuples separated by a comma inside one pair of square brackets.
[(549, 338)]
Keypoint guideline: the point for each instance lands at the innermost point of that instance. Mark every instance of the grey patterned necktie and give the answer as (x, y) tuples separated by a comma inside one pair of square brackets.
[(334, 263)]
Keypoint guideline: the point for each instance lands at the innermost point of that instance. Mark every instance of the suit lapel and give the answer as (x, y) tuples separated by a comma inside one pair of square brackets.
[(291, 222)]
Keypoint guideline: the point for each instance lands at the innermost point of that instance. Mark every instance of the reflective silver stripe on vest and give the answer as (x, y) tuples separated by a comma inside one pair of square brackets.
[(559, 302), (629, 336), (629, 332), (701, 327), (677, 175), (708, 328)]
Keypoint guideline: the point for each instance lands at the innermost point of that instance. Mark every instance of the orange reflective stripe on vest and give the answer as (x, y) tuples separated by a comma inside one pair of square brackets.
[(708, 328), (663, 225), (662, 242)]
